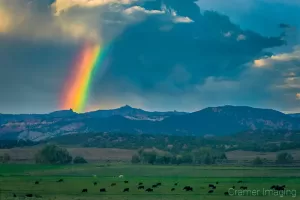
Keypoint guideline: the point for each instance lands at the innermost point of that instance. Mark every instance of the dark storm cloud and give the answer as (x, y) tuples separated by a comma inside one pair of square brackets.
[(284, 25), (147, 56)]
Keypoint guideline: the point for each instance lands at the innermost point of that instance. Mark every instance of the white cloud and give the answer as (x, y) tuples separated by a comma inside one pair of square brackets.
[(227, 34), (180, 19), (279, 58), (241, 37), (134, 9), (63, 5)]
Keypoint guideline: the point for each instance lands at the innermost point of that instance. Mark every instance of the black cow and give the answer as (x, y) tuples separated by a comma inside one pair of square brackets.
[(95, 183), (279, 188), (172, 189), (14, 195), (84, 190), (102, 190), (273, 187), (186, 187), (215, 187), (210, 191), (154, 186), (29, 195), (217, 182), (233, 187), (226, 193), (60, 180), (140, 183), (149, 190), (126, 190), (239, 181), (176, 184), (125, 181), (158, 184), (36, 182), (211, 185), (113, 184), (189, 189), (141, 187)]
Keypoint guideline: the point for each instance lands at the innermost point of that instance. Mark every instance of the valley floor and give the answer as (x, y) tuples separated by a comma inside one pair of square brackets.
[(20, 180)]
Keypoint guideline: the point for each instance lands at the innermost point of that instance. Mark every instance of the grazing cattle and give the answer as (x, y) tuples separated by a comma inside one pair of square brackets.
[(273, 187), (102, 190), (60, 180), (29, 195), (126, 190), (140, 183), (215, 187), (158, 184), (149, 190), (141, 187), (217, 182), (95, 183), (226, 193), (279, 188), (189, 189), (113, 184), (36, 182), (239, 181), (233, 187), (186, 187), (84, 190), (154, 186), (125, 181), (211, 185), (176, 184), (121, 176), (172, 189), (14, 195), (210, 191)]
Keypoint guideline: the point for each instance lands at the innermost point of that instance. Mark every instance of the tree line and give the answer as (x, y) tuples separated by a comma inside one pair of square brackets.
[(203, 155), (53, 154)]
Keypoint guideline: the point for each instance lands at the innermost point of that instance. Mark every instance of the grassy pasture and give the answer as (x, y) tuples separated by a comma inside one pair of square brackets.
[(19, 179)]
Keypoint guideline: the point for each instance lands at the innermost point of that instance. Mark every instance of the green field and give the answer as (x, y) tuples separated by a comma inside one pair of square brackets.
[(20, 179)]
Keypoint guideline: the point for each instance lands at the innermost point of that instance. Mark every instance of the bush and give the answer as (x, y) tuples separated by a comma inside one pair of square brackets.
[(257, 161), (79, 160), (135, 159), (52, 154), (284, 158), (5, 158)]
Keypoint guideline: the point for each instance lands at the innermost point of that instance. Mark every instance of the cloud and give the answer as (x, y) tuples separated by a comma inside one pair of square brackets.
[(164, 55), (283, 57), (241, 37), (63, 5)]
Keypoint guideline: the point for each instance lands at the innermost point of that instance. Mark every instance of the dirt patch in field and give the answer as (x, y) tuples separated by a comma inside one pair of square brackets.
[(250, 155), (90, 154)]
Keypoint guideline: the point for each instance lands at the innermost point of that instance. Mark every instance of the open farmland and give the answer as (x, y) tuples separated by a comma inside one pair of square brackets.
[(20, 180)]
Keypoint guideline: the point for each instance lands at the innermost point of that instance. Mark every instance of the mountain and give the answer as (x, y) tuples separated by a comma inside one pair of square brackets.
[(132, 113), (222, 120), (294, 115)]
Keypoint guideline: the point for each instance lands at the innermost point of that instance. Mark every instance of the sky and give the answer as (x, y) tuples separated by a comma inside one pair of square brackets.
[(163, 55)]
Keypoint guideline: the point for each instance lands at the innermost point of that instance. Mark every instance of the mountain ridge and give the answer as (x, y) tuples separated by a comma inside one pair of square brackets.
[(220, 120)]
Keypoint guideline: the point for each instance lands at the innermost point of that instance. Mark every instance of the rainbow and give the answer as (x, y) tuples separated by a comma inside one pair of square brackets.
[(76, 88)]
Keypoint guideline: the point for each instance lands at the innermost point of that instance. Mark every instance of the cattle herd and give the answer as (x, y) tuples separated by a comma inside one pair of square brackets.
[(141, 186)]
